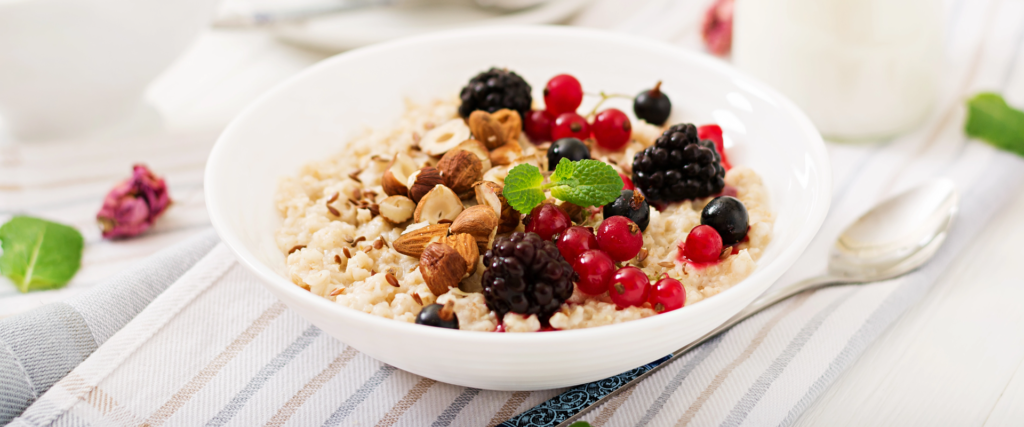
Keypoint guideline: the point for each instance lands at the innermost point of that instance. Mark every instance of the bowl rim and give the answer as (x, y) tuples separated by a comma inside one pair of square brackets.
[(820, 200)]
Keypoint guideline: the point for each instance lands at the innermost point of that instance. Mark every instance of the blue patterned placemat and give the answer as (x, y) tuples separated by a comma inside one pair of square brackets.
[(564, 406)]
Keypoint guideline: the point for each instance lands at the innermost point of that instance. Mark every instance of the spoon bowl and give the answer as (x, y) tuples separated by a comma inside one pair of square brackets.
[(896, 236)]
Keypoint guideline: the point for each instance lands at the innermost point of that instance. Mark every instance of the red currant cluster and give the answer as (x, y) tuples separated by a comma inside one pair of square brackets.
[(593, 255), (563, 94)]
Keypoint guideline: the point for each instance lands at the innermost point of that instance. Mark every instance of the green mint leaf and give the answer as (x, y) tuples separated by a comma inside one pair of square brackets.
[(39, 254), (524, 188), (991, 120), (580, 424), (586, 182)]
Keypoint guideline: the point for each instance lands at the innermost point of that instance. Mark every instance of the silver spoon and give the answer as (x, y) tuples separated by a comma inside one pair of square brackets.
[(892, 239)]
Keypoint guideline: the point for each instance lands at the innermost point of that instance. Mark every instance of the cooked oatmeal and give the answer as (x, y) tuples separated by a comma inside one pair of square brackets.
[(339, 247)]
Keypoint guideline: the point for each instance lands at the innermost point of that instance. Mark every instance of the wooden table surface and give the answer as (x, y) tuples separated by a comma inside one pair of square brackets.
[(953, 359)]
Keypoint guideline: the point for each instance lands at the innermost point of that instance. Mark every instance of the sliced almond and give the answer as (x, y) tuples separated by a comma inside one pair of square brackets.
[(442, 267), (489, 194), (422, 181), (397, 209), (413, 242), (506, 154), (396, 177), (466, 246), (460, 170), (510, 122), (479, 221), (486, 129), (441, 203), (440, 139)]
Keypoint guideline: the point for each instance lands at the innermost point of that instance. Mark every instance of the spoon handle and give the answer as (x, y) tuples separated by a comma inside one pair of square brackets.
[(588, 396)]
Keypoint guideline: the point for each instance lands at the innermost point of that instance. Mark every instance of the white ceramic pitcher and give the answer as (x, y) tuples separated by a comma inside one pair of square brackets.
[(860, 69)]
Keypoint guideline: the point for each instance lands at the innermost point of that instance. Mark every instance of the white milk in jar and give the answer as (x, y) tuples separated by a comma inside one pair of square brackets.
[(861, 69)]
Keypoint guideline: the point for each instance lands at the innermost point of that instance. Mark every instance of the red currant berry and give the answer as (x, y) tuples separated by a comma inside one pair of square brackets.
[(570, 125), (563, 94), (574, 241), (627, 184), (714, 133), (611, 129), (620, 237), (595, 269), (547, 220), (703, 244), (538, 126), (629, 287), (667, 295)]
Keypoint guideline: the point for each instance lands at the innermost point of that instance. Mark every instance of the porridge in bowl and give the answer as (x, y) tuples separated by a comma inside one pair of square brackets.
[(466, 215)]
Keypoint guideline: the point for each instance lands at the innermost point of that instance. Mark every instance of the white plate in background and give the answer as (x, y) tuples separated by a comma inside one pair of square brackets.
[(348, 30)]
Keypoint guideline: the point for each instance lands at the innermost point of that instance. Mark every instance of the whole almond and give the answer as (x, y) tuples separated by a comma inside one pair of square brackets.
[(479, 221), (460, 170), (466, 246), (486, 129), (413, 242), (442, 267)]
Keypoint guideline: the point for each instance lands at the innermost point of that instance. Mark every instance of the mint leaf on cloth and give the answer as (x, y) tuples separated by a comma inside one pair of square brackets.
[(989, 118), (39, 254), (586, 182), (524, 188)]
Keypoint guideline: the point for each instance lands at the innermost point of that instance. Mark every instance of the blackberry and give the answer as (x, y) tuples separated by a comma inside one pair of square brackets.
[(526, 275), (493, 90), (679, 166)]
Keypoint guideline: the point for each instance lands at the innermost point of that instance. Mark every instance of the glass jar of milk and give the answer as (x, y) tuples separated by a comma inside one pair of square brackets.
[(860, 69)]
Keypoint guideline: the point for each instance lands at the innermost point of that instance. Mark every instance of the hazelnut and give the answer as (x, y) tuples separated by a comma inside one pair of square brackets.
[(397, 209), (489, 194), (396, 177), (460, 170), (466, 246), (442, 267), (441, 203), (510, 122), (440, 139), (506, 154), (486, 129), (479, 221), (422, 181), (478, 148)]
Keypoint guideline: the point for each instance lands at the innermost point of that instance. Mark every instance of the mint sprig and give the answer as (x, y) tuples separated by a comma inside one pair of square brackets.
[(39, 254), (584, 183), (989, 118)]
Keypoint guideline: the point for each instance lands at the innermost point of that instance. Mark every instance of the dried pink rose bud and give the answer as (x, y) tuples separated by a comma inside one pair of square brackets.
[(133, 205), (717, 27)]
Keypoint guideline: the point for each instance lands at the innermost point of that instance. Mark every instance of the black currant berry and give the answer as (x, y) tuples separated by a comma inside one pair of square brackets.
[(728, 217), (652, 106), (630, 204), (566, 148), (442, 316)]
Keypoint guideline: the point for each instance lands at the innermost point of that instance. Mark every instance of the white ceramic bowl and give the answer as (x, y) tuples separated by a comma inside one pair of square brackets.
[(314, 113)]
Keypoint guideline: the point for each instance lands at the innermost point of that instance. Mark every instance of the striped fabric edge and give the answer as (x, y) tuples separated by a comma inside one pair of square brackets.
[(73, 389)]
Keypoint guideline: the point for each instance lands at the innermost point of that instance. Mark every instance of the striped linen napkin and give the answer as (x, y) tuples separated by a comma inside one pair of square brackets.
[(216, 348)]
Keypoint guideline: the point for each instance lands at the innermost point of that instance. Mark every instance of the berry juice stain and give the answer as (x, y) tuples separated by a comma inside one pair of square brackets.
[(500, 328)]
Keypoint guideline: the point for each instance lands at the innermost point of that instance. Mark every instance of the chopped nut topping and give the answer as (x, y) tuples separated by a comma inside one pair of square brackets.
[(333, 198), (333, 211), (354, 175), (391, 279), (347, 253), (295, 248)]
